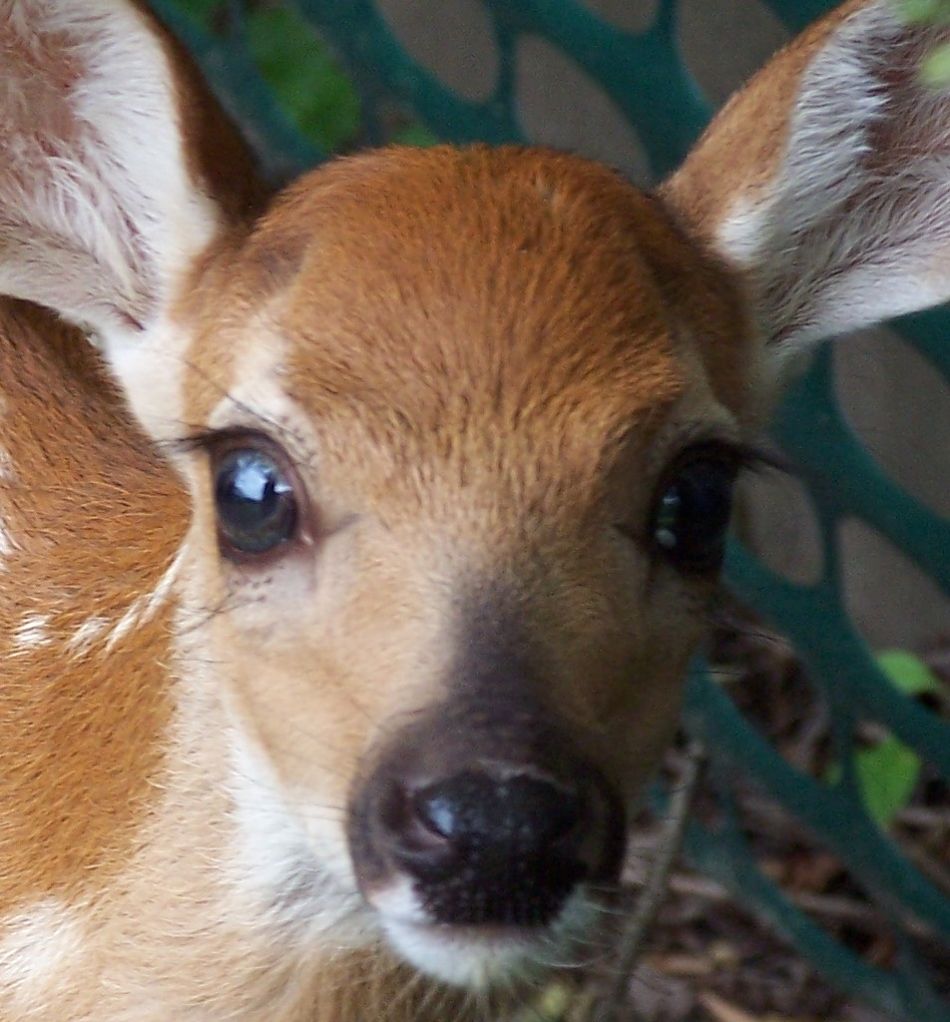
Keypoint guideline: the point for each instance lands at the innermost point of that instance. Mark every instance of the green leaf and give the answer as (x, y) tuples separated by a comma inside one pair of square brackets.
[(924, 10), (887, 775), (888, 771), (935, 69), (417, 135), (908, 673), (299, 68), (551, 1006)]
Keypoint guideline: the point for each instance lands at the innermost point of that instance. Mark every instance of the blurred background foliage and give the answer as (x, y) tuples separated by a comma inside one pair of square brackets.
[(308, 82), (936, 68), (317, 96)]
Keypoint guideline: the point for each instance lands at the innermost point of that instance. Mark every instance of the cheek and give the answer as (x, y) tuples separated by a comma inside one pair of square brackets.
[(319, 671), (646, 696), (646, 715), (312, 734)]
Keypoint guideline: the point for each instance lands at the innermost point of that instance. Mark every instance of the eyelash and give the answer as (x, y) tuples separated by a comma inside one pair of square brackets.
[(210, 439), (742, 456)]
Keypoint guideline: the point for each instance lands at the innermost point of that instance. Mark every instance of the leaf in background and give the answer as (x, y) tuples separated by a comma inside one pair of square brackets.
[(935, 70), (908, 673), (310, 86), (551, 1006), (417, 135), (887, 774), (924, 10)]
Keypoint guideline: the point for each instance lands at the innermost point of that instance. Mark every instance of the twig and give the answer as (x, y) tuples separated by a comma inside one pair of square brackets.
[(614, 1005), (723, 1011)]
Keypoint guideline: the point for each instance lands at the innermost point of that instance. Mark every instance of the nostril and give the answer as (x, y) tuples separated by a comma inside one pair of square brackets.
[(517, 812), (404, 826)]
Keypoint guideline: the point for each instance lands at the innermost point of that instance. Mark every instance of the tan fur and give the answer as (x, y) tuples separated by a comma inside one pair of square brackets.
[(507, 406), (479, 364), (495, 447)]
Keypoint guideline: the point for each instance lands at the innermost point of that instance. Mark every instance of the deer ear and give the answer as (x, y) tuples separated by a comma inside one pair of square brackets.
[(826, 181), (104, 204)]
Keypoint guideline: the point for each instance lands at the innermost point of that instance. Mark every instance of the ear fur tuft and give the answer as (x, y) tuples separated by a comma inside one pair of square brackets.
[(842, 217), (99, 212)]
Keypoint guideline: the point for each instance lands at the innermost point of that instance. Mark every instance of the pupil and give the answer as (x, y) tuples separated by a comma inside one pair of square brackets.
[(256, 508), (692, 516)]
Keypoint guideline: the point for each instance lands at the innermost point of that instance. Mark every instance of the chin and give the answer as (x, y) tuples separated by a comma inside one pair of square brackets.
[(487, 956)]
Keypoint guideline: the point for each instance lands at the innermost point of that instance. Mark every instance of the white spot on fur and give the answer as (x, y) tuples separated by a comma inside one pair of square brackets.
[(7, 546), (38, 948), (31, 633), (86, 634), (144, 607), (740, 234), (152, 371)]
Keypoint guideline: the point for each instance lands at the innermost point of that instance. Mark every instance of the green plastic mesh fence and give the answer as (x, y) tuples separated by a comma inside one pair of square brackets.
[(645, 77)]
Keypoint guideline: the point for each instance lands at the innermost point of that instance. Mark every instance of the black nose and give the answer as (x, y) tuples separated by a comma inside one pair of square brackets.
[(498, 812), (499, 844)]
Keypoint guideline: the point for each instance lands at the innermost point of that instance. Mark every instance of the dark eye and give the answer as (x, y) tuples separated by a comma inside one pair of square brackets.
[(691, 514), (257, 509)]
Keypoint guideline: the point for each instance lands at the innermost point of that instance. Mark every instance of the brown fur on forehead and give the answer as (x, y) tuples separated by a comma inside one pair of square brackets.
[(427, 286), (92, 523)]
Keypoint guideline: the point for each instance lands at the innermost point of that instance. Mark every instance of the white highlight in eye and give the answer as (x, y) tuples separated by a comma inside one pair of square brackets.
[(31, 633), (37, 947)]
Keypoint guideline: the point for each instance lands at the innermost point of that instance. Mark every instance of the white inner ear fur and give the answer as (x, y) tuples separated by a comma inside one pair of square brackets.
[(98, 214), (855, 225)]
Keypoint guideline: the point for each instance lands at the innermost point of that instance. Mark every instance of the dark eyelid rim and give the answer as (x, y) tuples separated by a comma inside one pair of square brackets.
[(219, 442), (739, 455), (210, 439), (216, 441), (743, 456)]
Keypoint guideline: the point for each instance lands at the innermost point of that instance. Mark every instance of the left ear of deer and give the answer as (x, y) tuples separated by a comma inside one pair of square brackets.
[(826, 181), (99, 211)]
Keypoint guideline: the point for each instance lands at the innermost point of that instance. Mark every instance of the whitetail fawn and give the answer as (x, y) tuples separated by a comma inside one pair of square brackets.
[(348, 579)]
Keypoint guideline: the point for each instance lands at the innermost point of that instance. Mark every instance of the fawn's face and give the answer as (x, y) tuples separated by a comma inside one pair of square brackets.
[(463, 428), (460, 491)]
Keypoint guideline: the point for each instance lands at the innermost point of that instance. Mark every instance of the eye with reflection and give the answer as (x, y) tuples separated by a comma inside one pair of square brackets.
[(255, 500), (691, 512)]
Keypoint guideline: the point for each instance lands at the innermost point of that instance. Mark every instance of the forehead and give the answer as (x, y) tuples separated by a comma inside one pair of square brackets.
[(446, 291)]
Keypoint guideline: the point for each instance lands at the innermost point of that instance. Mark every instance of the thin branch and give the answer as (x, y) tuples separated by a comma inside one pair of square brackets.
[(614, 1006)]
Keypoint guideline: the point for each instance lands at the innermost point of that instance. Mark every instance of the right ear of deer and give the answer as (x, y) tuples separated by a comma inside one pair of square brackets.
[(101, 207), (826, 181)]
